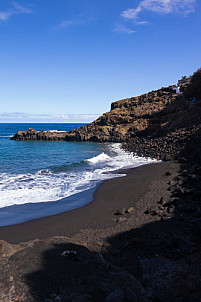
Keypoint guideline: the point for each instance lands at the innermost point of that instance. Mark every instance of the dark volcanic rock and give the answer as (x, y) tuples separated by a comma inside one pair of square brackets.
[(159, 124), (32, 134), (40, 266)]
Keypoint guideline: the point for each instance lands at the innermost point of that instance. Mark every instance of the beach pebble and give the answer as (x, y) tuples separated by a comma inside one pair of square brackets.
[(172, 187), (120, 220), (153, 210), (161, 201), (100, 243), (129, 210), (171, 209), (120, 212)]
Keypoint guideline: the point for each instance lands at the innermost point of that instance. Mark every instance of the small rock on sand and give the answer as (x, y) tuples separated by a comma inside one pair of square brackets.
[(152, 210), (120, 212), (120, 220), (129, 210)]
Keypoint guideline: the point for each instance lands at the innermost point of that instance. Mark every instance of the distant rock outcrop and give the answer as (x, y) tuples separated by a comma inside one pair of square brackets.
[(32, 134)]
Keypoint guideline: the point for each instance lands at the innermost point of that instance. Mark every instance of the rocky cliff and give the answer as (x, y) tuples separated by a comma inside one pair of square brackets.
[(127, 117), (157, 124), (177, 124), (153, 113)]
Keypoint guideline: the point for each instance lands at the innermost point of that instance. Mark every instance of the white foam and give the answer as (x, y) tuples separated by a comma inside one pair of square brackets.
[(44, 186), (57, 131), (99, 158)]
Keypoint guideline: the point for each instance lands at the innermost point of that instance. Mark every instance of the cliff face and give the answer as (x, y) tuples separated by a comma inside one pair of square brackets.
[(126, 118), (151, 113), (157, 124), (178, 134)]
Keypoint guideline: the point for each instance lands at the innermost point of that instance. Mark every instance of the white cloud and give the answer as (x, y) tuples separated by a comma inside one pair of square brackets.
[(15, 117), (159, 6), (5, 15), (123, 29), (66, 23), (21, 9), (63, 117), (141, 22), (16, 9)]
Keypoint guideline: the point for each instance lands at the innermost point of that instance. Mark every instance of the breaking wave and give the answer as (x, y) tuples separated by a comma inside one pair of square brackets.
[(62, 181)]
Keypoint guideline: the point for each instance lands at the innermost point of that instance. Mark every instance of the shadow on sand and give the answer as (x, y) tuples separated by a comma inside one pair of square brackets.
[(158, 262)]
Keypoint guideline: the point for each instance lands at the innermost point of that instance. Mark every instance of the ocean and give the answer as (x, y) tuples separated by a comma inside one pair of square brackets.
[(42, 178)]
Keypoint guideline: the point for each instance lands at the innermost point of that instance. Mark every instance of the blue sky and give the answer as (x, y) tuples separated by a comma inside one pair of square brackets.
[(66, 61)]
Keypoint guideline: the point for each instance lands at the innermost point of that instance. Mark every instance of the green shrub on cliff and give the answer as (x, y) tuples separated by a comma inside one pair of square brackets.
[(193, 89)]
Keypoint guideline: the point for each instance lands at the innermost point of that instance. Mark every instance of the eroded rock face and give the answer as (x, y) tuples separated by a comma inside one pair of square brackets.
[(126, 118), (158, 124)]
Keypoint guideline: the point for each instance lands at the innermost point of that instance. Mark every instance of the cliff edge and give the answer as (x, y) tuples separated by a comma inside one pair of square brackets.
[(157, 124)]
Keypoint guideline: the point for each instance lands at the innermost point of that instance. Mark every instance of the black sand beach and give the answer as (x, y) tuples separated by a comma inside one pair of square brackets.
[(98, 243), (91, 254), (114, 194)]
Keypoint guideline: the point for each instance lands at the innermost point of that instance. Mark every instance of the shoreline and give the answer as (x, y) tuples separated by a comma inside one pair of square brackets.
[(112, 194), (33, 211), (25, 212)]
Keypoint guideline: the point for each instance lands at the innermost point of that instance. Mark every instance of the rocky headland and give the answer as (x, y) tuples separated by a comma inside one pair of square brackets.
[(158, 124), (128, 118), (142, 240)]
